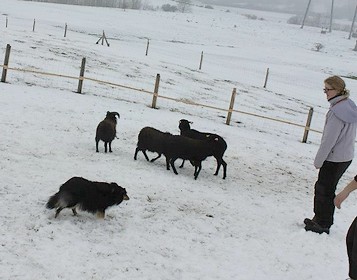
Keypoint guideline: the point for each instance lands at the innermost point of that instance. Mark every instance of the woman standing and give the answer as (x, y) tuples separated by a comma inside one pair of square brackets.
[(335, 153)]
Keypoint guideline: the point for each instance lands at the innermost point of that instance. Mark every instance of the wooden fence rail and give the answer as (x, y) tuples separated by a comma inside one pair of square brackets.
[(155, 94)]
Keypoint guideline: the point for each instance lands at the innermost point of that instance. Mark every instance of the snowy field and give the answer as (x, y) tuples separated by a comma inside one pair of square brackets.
[(248, 226)]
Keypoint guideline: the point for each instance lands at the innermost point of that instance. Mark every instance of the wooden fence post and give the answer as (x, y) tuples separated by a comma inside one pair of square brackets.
[(147, 48), (308, 123), (156, 91), (266, 78), (231, 105), (65, 30), (201, 61), (81, 75), (33, 26), (6, 63)]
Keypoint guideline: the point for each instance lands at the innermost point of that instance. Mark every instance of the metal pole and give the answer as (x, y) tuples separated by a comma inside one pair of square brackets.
[(147, 48), (266, 78), (65, 30), (330, 29), (201, 61), (307, 9), (105, 38), (353, 23)]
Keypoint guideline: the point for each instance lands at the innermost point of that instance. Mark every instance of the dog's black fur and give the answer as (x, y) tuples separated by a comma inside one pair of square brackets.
[(93, 197)]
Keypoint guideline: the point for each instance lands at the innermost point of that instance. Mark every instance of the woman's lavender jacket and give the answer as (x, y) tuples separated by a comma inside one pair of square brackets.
[(339, 135)]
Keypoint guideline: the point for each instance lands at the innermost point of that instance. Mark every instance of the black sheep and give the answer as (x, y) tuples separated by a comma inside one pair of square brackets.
[(106, 131), (218, 149), (153, 140), (191, 149)]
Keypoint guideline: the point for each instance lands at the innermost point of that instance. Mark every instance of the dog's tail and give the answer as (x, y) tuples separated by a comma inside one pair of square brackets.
[(53, 201)]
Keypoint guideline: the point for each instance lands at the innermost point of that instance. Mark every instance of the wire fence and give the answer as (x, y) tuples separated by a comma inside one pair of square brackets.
[(155, 94)]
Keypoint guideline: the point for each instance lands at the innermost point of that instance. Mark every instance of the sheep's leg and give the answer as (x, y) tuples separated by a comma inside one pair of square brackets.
[(110, 146), (74, 211), (146, 156), (183, 161), (159, 155), (136, 153), (172, 162), (219, 163), (197, 170), (224, 169), (167, 163), (96, 145), (105, 146)]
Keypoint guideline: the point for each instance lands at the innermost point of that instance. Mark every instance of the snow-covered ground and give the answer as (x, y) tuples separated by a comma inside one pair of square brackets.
[(248, 226)]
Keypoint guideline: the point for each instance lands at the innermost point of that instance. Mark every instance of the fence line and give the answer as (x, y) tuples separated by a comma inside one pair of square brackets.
[(38, 72), (81, 78), (117, 85), (239, 111), (72, 77), (277, 120)]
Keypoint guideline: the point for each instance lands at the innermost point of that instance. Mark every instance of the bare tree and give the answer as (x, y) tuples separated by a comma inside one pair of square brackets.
[(136, 4)]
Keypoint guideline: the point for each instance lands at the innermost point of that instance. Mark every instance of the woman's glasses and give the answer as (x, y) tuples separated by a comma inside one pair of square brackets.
[(326, 90)]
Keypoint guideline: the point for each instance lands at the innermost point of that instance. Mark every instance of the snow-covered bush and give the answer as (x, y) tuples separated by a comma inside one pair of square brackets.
[(169, 8)]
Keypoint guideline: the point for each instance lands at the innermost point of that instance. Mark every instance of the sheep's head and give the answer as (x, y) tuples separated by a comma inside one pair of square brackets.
[(184, 125), (112, 116)]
